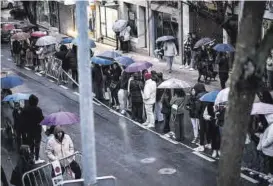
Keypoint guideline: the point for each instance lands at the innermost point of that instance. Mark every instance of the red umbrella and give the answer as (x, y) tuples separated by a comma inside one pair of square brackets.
[(8, 27), (38, 34)]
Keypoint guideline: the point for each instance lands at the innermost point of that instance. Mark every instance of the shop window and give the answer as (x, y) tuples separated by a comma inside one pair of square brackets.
[(108, 16), (54, 16)]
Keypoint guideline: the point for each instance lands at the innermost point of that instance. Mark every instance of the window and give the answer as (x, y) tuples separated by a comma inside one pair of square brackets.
[(108, 16), (132, 19)]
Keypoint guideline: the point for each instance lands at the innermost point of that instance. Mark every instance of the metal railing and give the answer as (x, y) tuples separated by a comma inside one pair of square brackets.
[(42, 176)]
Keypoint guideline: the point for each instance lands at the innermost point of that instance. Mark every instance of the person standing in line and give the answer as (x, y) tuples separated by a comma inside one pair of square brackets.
[(71, 59), (166, 109), (123, 93), (193, 112), (31, 118), (115, 84), (16, 48), (223, 68), (158, 104), (269, 69), (149, 97), (61, 146), (177, 115), (169, 52)]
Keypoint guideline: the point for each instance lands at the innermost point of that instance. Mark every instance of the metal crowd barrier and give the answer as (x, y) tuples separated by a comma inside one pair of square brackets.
[(42, 175)]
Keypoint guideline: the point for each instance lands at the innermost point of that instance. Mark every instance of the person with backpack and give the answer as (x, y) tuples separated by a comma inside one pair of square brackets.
[(16, 48)]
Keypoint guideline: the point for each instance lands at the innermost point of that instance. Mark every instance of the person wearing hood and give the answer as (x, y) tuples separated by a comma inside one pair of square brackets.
[(61, 146), (169, 52), (149, 97), (266, 145), (25, 163), (31, 117), (177, 115), (136, 86)]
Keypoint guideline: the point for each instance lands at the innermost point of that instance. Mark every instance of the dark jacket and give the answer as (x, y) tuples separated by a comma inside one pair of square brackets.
[(135, 90), (223, 64), (200, 90), (124, 80), (115, 74), (191, 106), (31, 118), (97, 74), (61, 55), (71, 59), (166, 106), (16, 47)]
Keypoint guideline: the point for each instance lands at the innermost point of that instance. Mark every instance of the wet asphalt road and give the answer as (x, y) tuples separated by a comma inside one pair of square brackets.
[(121, 145)]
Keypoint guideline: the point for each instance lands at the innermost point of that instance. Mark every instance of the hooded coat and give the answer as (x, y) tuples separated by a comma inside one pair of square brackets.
[(56, 150), (199, 107)]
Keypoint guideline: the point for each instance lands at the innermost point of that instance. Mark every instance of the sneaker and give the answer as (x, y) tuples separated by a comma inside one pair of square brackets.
[(191, 69), (200, 148), (145, 124), (214, 153), (117, 107), (39, 161), (208, 146), (219, 153), (182, 66), (150, 126), (194, 140), (123, 112), (187, 66), (167, 135)]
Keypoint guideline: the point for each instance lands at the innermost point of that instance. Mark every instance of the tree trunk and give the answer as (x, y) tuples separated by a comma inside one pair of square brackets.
[(244, 83), (30, 9)]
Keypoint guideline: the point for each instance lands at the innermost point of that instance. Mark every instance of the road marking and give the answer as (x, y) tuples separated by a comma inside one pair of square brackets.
[(9, 59), (203, 156), (51, 81), (38, 74), (27, 68), (76, 93), (249, 178), (64, 87), (44, 127), (167, 171), (148, 160)]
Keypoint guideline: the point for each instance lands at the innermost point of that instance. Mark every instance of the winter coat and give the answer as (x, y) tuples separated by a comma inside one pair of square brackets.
[(169, 49), (71, 59), (61, 55), (136, 86), (266, 141), (124, 80), (56, 149), (269, 64), (16, 47), (97, 75), (180, 102), (31, 118), (200, 90), (149, 93), (223, 64), (192, 106), (166, 106)]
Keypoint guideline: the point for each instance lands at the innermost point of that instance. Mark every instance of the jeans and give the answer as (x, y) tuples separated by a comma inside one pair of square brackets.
[(150, 115), (187, 59), (270, 79), (169, 60), (34, 140), (157, 111), (177, 126), (223, 76), (195, 126), (167, 118), (17, 59), (114, 95), (205, 132), (137, 110), (215, 136)]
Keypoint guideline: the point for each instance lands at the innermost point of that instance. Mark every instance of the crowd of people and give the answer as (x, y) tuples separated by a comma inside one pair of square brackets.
[(28, 139)]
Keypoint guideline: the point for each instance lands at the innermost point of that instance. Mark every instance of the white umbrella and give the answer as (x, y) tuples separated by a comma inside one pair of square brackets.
[(262, 108), (222, 97), (46, 40), (119, 25), (173, 83)]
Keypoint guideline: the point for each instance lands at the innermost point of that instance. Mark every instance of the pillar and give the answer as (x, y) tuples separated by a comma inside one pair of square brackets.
[(141, 32), (97, 28), (180, 32), (150, 29)]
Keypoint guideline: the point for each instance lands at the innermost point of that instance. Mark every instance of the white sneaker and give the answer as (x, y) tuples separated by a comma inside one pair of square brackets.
[(182, 66), (208, 146), (123, 112), (145, 124), (191, 69), (214, 153), (187, 66), (117, 107), (39, 161), (200, 149), (219, 153), (194, 140), (150, 126), (167, 135)]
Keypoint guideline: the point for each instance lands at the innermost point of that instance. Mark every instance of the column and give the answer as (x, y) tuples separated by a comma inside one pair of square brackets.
[(141, 27), (150, 30), (186, 20), (97, 27), (180, 32)]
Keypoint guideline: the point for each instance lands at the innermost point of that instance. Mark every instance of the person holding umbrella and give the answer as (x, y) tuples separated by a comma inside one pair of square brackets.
[(169, 52)]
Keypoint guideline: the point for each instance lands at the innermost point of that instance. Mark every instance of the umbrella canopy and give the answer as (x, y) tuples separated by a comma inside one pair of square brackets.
[(164, 38), (46, 40), (16, 97), (125, 61), (101, 61), (262, 108), (66, 40), (209, 97), (11, 82), (202, 42), (61, 118), (119, 25), (111, 55), (173, 83), (8, 27), (224, 48), (138, 66), (222, 96), (38, 34), (20, 36), (92, 43)]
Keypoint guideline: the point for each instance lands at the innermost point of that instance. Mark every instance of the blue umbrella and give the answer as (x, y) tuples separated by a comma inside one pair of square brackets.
[(224, 48), (101, 61), (125, 61), (109, 55), (164, 38), (210, 97), (16, 97), (92, 43), (67, 40), (11, 82)]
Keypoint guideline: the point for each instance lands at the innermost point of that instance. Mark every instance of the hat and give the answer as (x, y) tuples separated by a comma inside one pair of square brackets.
[(147, 76)]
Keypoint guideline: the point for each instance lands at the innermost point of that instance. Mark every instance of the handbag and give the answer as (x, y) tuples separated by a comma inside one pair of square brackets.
[(15, 177), (113, 84)]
